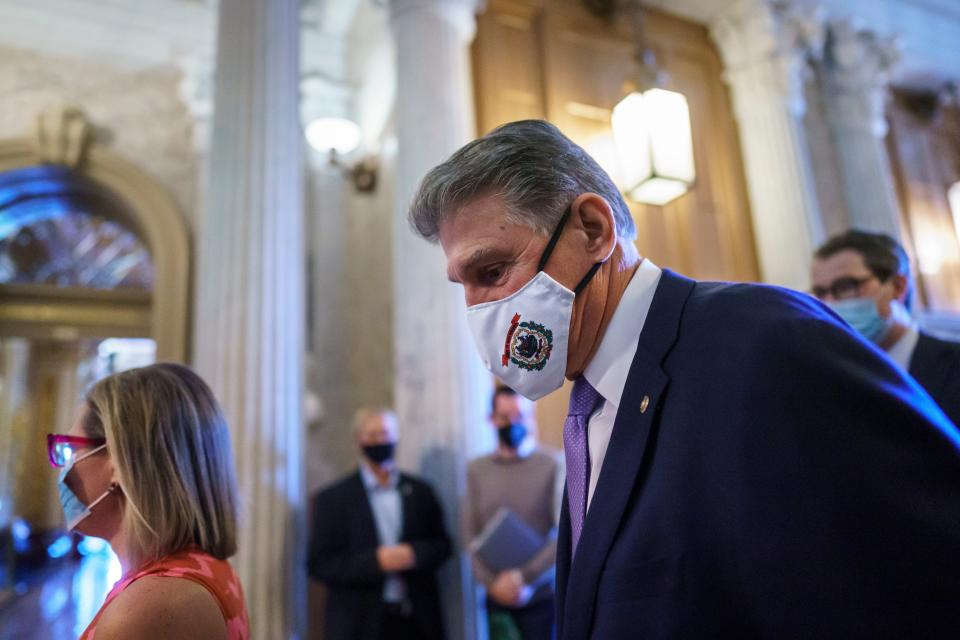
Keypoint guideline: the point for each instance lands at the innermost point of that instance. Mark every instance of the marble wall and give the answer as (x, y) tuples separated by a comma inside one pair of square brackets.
[(138, 113)]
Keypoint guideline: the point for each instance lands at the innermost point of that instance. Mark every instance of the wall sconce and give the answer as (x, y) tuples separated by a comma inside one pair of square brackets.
[(339, 137), (652, 132)]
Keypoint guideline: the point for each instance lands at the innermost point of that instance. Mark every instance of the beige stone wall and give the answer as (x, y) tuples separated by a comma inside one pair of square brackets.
[(140, 114)]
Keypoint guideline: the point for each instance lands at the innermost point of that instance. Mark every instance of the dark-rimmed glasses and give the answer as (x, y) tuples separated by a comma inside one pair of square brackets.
[(842, 288), (61, 447)]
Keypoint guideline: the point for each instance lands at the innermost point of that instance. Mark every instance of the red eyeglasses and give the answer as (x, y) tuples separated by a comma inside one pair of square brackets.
[(60, 447)]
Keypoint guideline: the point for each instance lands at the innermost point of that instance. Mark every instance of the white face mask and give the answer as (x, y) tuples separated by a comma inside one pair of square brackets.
[(523, 338)]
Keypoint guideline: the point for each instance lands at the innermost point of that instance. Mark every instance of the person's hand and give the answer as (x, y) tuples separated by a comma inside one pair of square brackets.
[(508, 589), (395, 558)]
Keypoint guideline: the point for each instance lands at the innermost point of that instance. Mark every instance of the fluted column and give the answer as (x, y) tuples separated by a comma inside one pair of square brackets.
[(441, 389), (764, 45), (250, 311), (856, 72)]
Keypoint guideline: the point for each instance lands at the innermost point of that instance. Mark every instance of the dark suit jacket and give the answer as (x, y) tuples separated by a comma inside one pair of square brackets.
[(936, 366), (785, 480), (342, 555)]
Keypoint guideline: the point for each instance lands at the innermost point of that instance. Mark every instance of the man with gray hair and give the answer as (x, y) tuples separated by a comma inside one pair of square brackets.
[(378, 539), (738, 462)]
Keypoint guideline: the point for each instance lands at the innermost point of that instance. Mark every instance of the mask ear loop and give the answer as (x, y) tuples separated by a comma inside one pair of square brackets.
[(553, 243), (553, 240), (586, 279), (110, 489)]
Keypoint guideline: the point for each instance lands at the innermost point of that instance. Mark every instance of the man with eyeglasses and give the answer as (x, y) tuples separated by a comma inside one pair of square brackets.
[(865, 278)]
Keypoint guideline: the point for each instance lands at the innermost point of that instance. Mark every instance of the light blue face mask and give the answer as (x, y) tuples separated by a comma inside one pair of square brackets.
[(862, 315), (73, 509)]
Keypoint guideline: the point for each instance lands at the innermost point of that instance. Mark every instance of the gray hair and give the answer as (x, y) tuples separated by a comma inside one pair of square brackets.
[(537, 171), (363, 415)]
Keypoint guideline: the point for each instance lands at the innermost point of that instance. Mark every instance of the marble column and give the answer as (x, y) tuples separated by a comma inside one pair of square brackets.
[(764, 46), (441, 389), (856, 68), (250, 312)]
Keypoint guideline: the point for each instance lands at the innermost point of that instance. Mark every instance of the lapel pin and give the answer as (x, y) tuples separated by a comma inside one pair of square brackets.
[(644, 404)]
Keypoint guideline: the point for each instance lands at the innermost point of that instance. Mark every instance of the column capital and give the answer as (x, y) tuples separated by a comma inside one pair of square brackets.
[(460, 14), (857, 65), (765, 46)]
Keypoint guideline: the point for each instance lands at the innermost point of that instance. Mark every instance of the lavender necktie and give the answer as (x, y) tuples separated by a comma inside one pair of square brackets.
[(583, 401)]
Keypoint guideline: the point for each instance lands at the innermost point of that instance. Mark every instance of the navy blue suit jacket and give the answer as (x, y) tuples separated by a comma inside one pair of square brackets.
[(785, 480)]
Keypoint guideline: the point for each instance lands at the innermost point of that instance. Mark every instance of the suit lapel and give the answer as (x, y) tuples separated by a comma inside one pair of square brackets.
[(406, 507), (646, 383), (370, 537)]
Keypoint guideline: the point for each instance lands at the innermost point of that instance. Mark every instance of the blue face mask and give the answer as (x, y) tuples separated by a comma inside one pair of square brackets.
[(862, 315), (73, 509)]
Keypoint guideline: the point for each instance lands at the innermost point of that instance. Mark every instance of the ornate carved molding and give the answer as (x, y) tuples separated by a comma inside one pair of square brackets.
[(61, 136), (857, 64), (766, 46)]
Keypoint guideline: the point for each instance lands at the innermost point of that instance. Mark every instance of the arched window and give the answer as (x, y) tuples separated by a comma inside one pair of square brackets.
[(59, 228)]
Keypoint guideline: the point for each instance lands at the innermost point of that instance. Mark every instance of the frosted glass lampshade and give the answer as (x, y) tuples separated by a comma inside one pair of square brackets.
[(333, 134), (651, 131)]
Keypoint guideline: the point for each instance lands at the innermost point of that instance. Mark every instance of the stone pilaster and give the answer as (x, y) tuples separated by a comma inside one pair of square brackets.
[(250, 313), (764, 45), (441, 389), (856, 67)]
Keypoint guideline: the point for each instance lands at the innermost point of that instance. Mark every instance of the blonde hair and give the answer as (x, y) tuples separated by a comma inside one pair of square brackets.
[(170, 445)]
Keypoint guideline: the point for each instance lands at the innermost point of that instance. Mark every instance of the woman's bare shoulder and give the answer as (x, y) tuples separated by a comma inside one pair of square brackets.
[(162, 607)]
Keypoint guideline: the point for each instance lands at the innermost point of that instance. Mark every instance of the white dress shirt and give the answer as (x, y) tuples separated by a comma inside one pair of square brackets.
[(387, 510), (607, 371), (902, 351)]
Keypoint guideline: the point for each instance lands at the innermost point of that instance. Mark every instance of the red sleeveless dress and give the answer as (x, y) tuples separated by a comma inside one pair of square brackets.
[(216, 576)]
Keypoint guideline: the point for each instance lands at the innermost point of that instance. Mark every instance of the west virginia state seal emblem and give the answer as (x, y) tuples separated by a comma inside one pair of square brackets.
[(528, 345)]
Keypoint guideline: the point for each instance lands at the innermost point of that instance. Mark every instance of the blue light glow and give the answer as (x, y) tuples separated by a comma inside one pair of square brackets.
[(92, 546), (20, 530), (60, 547)]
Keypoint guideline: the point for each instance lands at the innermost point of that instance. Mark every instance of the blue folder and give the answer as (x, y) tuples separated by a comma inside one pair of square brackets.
[(507, 542)]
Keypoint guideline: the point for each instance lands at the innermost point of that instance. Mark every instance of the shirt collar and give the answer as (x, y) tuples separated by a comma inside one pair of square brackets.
[(607, 370), (902, 351), (370, 478)]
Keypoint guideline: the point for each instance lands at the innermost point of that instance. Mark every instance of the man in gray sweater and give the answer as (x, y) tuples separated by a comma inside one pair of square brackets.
[(529, 482)]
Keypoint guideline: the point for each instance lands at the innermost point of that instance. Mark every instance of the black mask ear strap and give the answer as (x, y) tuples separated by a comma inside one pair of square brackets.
[(553, 243), (586, 278), (553, 240)]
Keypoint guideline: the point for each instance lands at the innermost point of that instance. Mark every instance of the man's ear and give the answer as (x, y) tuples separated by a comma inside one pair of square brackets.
[(901, 287), (592, 215)]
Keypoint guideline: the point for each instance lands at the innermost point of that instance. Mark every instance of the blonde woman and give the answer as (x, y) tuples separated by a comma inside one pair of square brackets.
[(147, 466)]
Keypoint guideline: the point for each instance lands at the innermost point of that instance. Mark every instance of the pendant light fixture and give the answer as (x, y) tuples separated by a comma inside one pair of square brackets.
[(651, 130)]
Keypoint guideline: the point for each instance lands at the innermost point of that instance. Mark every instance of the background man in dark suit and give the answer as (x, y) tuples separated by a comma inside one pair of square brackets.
[(740, 464), (378, 538), (865, 277)]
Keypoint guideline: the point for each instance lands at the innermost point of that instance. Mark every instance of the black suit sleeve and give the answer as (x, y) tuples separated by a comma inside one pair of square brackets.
[(330, 559), (432, 547), (850, 489)]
